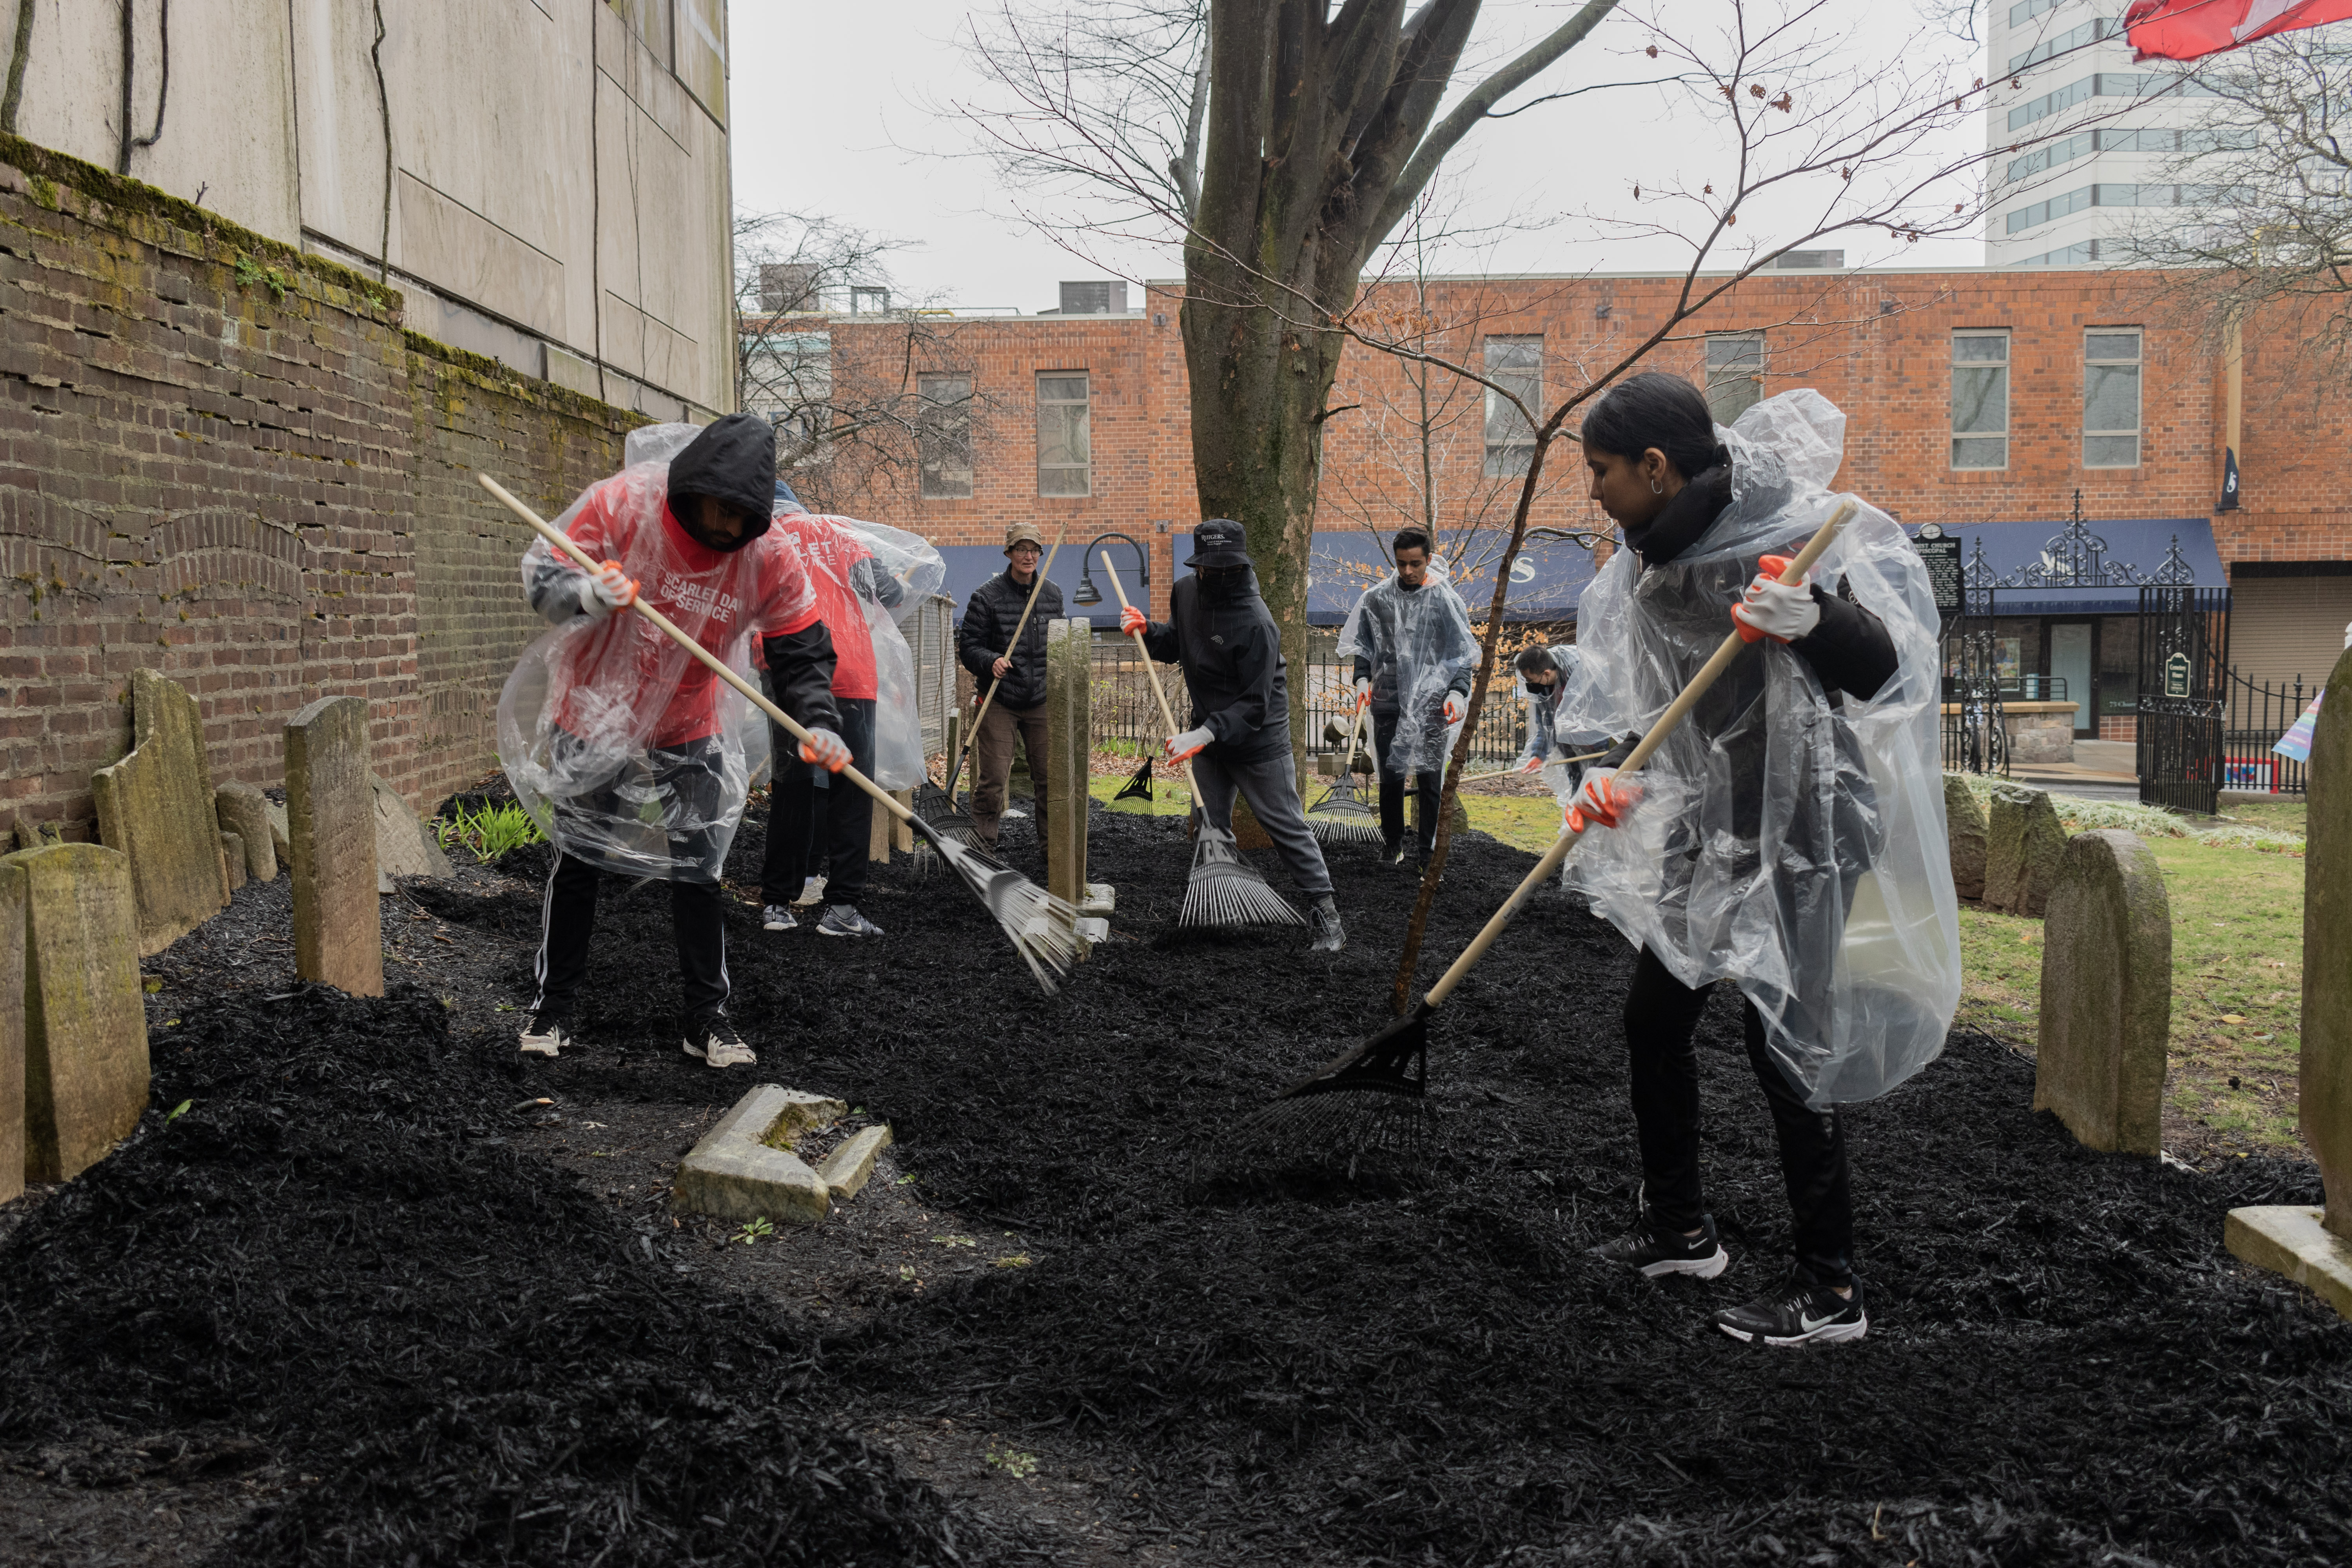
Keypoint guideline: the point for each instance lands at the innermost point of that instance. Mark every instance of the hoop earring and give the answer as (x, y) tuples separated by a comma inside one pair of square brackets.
[(1656, 488)]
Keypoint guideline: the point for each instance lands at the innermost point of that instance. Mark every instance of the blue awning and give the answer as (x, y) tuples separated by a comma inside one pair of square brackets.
[(2092, 568), (970, 565)]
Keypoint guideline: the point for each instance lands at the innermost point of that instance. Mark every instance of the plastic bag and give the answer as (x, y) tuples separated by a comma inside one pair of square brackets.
[(1789, 845), (898, 760), (1420, 647), (628, 753)]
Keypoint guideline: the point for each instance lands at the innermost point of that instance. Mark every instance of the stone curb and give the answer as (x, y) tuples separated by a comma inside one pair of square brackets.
[(2289, 1239), (733, 1173), (848, 1168)]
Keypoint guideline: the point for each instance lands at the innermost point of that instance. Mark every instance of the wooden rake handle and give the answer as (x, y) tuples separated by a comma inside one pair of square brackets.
[(716, 666), (1676, 712), (1167, 714), (972, 737)]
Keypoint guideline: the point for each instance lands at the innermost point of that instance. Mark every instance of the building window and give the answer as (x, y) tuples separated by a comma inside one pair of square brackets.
[(1735, 373), (1518, 363), (1064, 446), (1980, 400), (943, 436), (2111, 400)]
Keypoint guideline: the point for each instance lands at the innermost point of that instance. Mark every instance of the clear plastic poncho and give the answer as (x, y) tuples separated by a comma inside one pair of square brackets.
[(1420, 647), (898, 721), (1795, 846), (590, 731)]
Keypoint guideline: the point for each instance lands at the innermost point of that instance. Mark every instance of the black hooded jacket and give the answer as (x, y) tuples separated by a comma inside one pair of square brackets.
[(1231, 650), (733, 462)]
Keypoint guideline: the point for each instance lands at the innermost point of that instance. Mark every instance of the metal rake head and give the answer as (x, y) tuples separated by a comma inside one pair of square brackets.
[(1042, 927), (1226, 890), (1382, 1139)]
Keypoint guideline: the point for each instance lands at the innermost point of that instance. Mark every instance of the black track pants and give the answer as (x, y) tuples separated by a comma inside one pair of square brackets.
[(817, 822), (569, 921), (1429, 787), (1662, 1014)]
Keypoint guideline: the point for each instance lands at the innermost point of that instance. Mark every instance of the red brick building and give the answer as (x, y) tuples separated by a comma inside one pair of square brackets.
[(1980, 400)]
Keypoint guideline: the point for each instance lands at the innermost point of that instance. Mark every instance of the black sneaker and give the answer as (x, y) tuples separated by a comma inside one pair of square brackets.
[(716, 1044), (1323, 924), (1649, 1250), (1799, 1312), (545, 1033)]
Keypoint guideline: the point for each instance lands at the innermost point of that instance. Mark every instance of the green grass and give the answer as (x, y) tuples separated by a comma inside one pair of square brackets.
[(489, 833)]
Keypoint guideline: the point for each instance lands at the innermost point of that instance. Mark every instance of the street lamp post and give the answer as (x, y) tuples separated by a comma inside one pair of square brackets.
[(1087, 593)]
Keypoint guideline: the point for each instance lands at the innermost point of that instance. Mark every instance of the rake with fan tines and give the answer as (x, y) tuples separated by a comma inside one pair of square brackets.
[(1224, 890), (1341, 816), (1372, 1098), (1042, 927)]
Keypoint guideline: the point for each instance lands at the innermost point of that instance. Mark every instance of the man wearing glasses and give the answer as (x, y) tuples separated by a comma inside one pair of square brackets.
[(985, 643)]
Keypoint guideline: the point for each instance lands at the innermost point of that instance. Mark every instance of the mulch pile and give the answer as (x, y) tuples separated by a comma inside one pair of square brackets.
[(333, 1250)]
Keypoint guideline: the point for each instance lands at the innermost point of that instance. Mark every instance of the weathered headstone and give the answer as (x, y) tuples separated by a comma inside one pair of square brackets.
[(85, 1015), (2314, 1247), (2024, 842), (12, 1031), (1069, 752), (404, 848), (232, 859), (156, 807), (245, 811), (2106, 995), (1965, 822), (331, 822)]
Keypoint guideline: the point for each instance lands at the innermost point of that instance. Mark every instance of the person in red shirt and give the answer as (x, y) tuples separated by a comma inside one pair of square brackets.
[(631, 753), (816, 830)]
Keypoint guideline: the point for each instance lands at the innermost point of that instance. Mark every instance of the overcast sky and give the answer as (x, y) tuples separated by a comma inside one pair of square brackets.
[(834, 116)]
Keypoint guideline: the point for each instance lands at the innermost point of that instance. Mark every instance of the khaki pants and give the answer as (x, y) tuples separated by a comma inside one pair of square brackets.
[(991, 764)]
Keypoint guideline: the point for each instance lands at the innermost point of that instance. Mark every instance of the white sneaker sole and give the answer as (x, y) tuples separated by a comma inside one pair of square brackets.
[(534, 1048), (1697, 1267), (828, 931), (1827, 1335)]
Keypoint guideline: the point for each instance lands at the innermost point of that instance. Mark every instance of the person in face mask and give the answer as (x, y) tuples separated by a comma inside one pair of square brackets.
[(692, 537), (1551, 673), (1413, 655), (1224, 637)]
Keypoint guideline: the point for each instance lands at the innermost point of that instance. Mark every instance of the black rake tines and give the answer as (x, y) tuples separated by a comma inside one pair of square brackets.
[(1341, 816), (1226, 890)]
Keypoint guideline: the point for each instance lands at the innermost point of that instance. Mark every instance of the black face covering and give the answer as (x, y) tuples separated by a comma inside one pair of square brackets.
[(1678, 526)]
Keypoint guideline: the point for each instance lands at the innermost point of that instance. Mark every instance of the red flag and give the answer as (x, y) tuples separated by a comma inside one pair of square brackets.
[(2191, 29)]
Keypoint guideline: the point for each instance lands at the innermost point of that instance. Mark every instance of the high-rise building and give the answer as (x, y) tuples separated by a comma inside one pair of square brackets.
[(2084, 142)]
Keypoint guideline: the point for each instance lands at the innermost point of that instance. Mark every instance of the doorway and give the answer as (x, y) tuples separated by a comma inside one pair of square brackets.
[(2072, 660)]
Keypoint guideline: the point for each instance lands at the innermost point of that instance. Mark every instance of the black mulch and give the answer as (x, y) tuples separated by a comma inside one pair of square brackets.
[(332, 1249)]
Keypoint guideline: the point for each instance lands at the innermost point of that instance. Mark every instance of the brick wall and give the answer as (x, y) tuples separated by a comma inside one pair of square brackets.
[(1878, 344), (227, 461)]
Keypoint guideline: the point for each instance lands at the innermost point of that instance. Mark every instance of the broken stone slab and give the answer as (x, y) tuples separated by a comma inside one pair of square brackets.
[(1966, 827), (33, 835), (735, 1174), (1102, 898), (2293, 1240), (2106, 995), (403, 846), (2323, 1068), (85, 1015), (802, 1113), (245, 811), (12, 1031), (279, 840), (848, 1168), (155, 806), (338, 928), (2023, 844), (232, 859)]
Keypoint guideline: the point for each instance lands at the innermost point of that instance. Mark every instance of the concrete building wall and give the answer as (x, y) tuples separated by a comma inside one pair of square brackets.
[(557, 196), (225, 460)]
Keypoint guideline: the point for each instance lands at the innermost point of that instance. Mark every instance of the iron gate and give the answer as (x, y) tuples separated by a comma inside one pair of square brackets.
[(2184, 659)]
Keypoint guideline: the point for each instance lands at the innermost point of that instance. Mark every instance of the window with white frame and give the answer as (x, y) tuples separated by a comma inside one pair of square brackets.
[(1516, 363), (1735, 373), (2111, 360), (943, 436), (1980, 400), (1065, 446)]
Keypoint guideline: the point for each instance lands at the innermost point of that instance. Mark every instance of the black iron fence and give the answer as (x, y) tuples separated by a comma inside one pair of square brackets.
[(2184, 672), (2253, 716)]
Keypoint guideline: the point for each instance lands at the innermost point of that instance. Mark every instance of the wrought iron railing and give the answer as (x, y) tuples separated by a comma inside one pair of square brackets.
[(2253, 716)]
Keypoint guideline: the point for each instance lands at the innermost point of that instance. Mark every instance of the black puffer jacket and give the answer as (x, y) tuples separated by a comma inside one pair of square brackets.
[(989, 618), (1226, 638)]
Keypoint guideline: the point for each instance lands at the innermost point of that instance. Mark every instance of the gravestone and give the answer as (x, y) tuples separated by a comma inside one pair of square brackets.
[(232, 859), (85, 1015), (2024, 842), (1069, 754), (2314, 1247), (245, 811), (330, 825), (12, 1031), (1964, 821), (403, 846), (2106, 995), (156, 807)]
